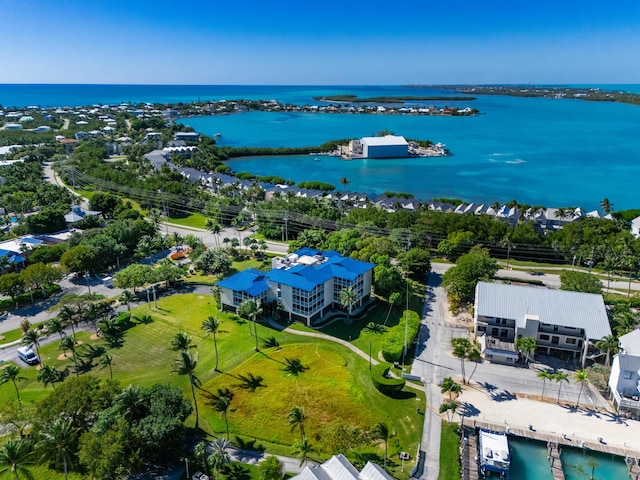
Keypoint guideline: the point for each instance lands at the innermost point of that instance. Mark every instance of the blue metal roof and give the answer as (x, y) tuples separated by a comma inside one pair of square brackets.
[(251, 281)]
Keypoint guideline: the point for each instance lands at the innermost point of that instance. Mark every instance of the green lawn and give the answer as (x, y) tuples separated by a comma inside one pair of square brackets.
[(335, 384), (193, 220), (449, 452)]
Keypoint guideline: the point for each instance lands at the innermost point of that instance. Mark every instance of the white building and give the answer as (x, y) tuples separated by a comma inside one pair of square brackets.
[(389, 146), (339, 468), (567, 324), (624, 381)]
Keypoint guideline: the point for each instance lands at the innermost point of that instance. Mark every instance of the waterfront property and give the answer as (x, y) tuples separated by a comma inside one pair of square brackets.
[(567, 324), (306, 284), (493, 452), (339, 468), (388, 146), (624, 381)]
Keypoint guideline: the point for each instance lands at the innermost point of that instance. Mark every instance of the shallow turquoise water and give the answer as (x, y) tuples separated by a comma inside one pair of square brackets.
[(530, 462)]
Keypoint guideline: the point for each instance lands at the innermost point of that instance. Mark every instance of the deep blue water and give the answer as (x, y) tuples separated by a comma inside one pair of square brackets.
[(538, 151)]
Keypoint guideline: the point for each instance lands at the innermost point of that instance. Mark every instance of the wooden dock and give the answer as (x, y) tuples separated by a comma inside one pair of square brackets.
[(559, 439), (468, 454), (633, 467), (554, 460)]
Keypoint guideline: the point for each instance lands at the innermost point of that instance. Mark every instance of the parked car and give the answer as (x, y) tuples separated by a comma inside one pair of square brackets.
[(28, 356)]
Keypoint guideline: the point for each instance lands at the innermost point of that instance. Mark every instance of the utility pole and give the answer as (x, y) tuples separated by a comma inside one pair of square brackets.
[(286, 228)]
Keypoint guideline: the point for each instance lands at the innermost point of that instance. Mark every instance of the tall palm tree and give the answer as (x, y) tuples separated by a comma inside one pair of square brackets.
[(127, 297), (106, 360), (186, 364), (221, 401), (608, 344), (55, 325), (582, 377), (507, 243), (560, 377), (348, 296), (15, 457), (68, 317), (31, 337), (251, 309), (68, 343), (200, 453), (544, 375), (464, 349), (214, 227), (381, 432), (57, 443), (302, 449), (296, 418), (219, 457), (154, 218), (181, 342), (606, 205), (210, 325), (11, 373), (49, 375), (177, 239), (451, 386)]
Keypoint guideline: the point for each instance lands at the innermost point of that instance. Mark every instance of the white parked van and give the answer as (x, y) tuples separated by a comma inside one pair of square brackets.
[(28, 356)]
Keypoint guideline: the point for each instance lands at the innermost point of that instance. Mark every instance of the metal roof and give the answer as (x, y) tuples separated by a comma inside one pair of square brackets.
[(251, 281), (384, 141), (630, 342), (553, 307)]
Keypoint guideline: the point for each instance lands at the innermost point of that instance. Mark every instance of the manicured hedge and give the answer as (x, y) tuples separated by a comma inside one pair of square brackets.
[(393, 343), (383, 383), (25, 298)]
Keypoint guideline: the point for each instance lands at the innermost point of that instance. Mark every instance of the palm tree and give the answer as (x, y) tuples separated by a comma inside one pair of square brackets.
[(526, 346), (560, 377), (31, 337), (302, 449), (296, 418), (200, 454), (465, 350), (12, 373), (181, 342), (581, 376), (507, 243), (625, 323), (606, 205), (451, 386), (214, 227), (608, 344), (127, 297), (49, 375), (221, 402), (393, 299), (106, 360), (219, 457), (55, 325), (344, 181), (251, 309), (57, 442), (15, 457), (186, 364), (348, 296), (211, 325), (145, 246), (381, 432), (544, 375), (177, 239), (154, 218), (68, 343), (68, 317)]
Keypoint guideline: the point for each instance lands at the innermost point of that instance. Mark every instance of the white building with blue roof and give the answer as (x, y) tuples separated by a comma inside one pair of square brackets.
[(306, 283)]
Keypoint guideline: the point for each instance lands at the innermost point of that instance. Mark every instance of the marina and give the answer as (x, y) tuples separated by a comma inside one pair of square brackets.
[(537, 455)]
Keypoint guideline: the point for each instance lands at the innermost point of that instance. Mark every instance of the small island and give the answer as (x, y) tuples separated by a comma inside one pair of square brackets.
[(391, 99)]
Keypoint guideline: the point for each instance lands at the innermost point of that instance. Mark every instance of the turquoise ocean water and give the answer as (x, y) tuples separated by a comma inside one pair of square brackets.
[(538, 151)]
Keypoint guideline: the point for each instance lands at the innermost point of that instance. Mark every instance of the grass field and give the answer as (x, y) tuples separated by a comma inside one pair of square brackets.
[(193, 220), (335, 383), (449, 452)]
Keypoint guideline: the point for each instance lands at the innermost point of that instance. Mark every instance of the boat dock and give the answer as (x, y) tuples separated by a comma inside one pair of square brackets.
[(633, 467), (554, 460), (469, 453)]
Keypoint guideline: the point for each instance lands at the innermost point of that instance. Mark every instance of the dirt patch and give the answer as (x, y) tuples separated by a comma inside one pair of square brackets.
[(94, 337), (64, 356)]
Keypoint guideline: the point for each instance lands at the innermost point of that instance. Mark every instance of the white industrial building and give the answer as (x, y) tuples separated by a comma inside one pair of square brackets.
[(389, 146)]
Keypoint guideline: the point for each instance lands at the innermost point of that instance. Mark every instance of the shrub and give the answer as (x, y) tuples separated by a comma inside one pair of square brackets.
[(384, 384), (393, 344)]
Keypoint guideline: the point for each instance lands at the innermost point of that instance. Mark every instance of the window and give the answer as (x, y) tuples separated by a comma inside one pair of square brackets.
[(570, 341), (627, 374), (544, 337)]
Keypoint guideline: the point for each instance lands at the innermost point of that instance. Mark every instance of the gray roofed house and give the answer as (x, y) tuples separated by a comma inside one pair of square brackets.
[(339, 468), (563, 323)]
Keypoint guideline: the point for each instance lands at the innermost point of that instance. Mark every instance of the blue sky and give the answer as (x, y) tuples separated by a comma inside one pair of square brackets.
[(319, 43)]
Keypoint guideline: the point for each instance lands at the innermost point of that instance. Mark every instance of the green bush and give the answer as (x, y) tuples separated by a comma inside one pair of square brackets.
[(393, 344), (25, 298), (383, 383)]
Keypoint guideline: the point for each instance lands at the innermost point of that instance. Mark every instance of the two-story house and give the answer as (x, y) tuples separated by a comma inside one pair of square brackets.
[(624, 381)]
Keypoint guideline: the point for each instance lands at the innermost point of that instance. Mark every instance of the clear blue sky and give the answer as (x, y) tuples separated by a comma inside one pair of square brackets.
[(324, 42)]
